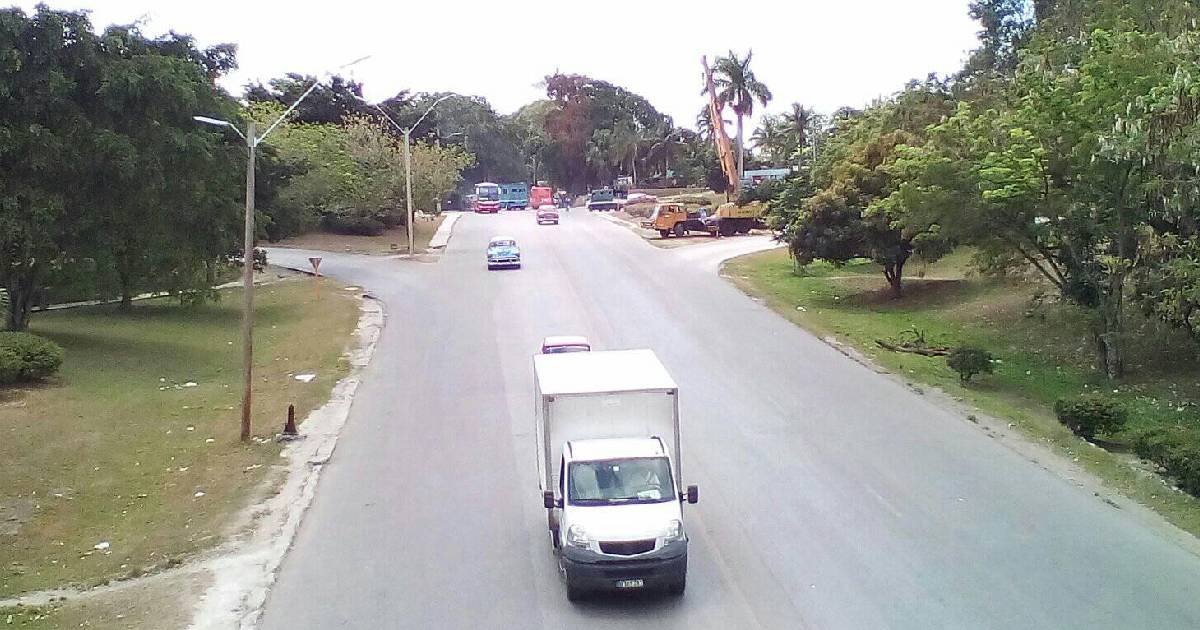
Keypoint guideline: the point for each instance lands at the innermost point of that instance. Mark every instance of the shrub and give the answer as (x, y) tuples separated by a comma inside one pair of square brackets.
[(1174, 449), (969, 361), (26, 357), (763, 192), (355, 226), (640, 210), (392, 220), (1090, 414)]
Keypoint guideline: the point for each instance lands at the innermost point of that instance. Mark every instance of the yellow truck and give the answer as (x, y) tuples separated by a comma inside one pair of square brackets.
[(675, 219), (731, 218)]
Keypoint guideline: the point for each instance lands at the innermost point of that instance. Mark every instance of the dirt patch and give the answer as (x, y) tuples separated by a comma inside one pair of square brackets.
[(393, 241), (14, 514), (917, 292)]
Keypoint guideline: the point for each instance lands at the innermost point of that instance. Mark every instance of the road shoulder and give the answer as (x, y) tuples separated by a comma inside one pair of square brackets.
[(1133, 489)]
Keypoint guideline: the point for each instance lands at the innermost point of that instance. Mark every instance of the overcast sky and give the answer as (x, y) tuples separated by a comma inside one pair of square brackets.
[(823, 53)]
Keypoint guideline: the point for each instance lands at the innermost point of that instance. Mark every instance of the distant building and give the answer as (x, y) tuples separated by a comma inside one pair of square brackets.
[(754, 177)]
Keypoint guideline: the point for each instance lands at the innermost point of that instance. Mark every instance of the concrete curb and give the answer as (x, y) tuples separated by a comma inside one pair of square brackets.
[(242, 575), (442, 237), (137, 298)]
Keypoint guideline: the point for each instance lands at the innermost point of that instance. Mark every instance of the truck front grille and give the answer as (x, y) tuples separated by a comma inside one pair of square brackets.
[(627, 547)]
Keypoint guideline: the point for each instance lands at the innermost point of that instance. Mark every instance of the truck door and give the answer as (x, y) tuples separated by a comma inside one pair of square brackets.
[(554, 515)]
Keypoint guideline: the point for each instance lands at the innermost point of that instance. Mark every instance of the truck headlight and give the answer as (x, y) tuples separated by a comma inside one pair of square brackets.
[(578, 537), (674, 531)]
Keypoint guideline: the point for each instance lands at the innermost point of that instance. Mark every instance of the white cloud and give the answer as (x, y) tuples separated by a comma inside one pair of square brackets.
[(824, 54)]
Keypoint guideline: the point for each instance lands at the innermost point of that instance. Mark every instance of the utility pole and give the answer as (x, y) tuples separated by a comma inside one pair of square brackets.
[(408, 186), (248, 286), (252, 141), (407, 133)]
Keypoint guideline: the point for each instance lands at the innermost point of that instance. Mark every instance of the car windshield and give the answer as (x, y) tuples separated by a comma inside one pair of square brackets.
[(617, 481), (502, 244)]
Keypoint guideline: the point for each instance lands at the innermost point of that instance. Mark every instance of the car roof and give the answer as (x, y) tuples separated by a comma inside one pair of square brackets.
[(613, 448), (565, 340), (502, 238)]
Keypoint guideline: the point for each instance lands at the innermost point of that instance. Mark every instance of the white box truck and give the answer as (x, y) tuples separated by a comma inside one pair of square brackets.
[(609, 469)]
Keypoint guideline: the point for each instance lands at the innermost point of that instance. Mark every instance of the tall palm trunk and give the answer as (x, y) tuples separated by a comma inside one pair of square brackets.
[(741, 151)]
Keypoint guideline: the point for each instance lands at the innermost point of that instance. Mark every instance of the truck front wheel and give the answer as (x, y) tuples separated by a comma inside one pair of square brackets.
[(664, 233)]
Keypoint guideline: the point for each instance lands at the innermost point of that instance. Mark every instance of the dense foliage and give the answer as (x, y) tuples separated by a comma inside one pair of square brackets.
[(1067, 146), (1176, 450), (101, 165)]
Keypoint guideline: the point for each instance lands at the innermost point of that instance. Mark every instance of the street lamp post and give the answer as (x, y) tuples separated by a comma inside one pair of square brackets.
[(407, 133), (252, 142)]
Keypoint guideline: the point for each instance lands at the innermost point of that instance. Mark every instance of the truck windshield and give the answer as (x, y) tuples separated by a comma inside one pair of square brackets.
[(616, 481)]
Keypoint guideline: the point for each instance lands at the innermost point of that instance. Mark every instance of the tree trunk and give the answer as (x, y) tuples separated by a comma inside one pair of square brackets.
[(893, 270), (20, 298), (1109, 329), (126, 280)]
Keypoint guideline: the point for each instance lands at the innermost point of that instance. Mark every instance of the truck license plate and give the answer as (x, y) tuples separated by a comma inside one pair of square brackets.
[(638, 583)]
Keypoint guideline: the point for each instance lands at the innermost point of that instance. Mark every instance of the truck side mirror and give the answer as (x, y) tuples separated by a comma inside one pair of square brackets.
[(693, 494), (548, 500)]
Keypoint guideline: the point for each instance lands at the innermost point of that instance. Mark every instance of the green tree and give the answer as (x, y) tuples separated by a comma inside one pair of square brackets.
[(854, 210), (597, 130), (333, 101), (529, 125), (490, 138), (774, 140), (163, 189), (49, 73), (738, 88), (1087, 177), (321, 176), (437, 170)]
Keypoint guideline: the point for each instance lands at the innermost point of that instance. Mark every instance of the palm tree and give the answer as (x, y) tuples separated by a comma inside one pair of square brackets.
[(799, 122), (772, 139), (704, 124), (738, 88), (665, 147)]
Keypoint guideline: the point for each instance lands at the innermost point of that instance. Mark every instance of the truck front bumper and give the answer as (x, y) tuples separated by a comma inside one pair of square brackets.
[(594, 571)]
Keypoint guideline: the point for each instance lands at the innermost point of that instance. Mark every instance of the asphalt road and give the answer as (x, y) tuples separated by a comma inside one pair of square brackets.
[(831, 496)]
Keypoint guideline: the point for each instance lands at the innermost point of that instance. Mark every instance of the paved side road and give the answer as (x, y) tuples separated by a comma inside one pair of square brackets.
[(831, 496)]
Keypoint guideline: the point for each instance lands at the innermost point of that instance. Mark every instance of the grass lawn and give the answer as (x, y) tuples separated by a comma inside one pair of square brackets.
[(1044, 352), (135, 443), (394, 241)]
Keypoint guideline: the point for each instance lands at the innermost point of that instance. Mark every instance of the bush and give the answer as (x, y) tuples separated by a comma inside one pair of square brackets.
[(355, 226), (640, 210), (969, 361), (1174, 449), (26, 357), (763, 192), (1090, 414), (392, 220)]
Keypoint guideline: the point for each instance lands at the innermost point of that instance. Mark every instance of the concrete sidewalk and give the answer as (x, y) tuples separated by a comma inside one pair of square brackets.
[(442, 237)]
